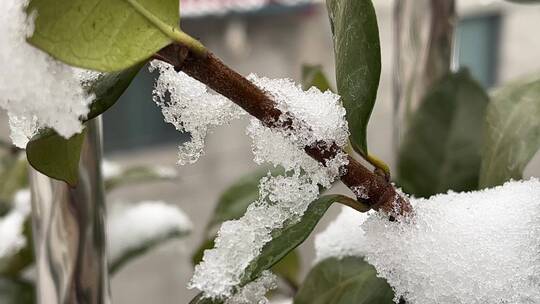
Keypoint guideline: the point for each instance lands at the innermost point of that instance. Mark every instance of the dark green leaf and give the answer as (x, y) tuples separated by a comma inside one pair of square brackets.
[(289, 268), (358, 62), (14, 177), (284, 241), (512, 132), (58, 157), (135, 175), (234, 201), (350, 280), (313, 76), (16, 291), (288, 238), (104, 35), (141, 249), (441, 148), (199, 299)]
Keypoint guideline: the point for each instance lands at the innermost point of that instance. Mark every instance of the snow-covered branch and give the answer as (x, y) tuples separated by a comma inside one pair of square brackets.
[(379, 193)]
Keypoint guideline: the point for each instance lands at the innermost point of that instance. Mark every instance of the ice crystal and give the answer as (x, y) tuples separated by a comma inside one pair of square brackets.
[(131, 227), (12, 238), (472, 247), (238, 242), (190, 108), (317, 119), (254, 292), (36, 90)]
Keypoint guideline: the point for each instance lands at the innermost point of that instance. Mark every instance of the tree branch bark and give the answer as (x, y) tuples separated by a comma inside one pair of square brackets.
[(209, 70)]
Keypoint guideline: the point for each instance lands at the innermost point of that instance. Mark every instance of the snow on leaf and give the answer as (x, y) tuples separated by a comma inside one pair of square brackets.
[(318, 119), (134, 229), (36, 90), (470, 247)]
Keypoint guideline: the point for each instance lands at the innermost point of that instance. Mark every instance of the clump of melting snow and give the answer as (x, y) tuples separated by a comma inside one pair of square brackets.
[(475, 247), (130, 227), (191, 108), (36, 90), (320, 120), (255, 292), (12, 238)]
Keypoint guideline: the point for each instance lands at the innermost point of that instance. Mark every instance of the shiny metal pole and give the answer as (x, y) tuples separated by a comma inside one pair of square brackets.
[(69, 231), (423, 53)]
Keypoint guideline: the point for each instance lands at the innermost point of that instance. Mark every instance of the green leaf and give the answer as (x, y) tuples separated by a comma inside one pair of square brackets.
[(350, 280), (142, 248), (358, 62), (234, 202), (288, 238), (512, 134), (441, 148), (289, 268), (16, 291), (284, 241), (57, 157), (313, 76), (104, 35), (135, 175), (13, 178)]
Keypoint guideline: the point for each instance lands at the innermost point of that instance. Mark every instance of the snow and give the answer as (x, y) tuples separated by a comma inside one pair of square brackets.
[(111, 169), (36, 90), (255, 291), (282, 199), (191, 108), (12, 238), (343, 237), (471, 247), (132, 226)]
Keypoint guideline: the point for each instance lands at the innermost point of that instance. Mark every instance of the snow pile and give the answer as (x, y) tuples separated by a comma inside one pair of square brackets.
[(282, 199), (476, 247), (36, 90), (130, 227), (12, 238), (255, 292), (191, 108)]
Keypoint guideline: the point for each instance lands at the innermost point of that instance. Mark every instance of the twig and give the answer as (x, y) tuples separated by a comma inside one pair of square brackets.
[(208, 69)]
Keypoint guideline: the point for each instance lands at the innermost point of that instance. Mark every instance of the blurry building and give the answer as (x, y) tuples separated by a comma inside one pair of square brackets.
[(496, 40)]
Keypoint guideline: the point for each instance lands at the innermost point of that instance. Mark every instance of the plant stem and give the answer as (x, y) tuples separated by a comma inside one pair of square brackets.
[(222, 79)]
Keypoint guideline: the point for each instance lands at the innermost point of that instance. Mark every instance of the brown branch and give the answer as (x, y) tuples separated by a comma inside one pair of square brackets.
[(209, 70)]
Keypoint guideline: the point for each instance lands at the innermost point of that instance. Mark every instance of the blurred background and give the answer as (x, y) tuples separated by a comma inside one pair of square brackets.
[(498, 41)]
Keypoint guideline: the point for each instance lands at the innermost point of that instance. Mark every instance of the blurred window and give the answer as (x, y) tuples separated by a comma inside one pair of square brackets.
[(135, 121), (478, 44)]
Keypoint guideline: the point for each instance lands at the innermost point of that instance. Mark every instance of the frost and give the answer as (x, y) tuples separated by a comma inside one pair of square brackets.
[(360, 192), (475, 247), (282, 199), (191, 108), (132, 226), (254, 292), (12, 238), (36, 90)]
